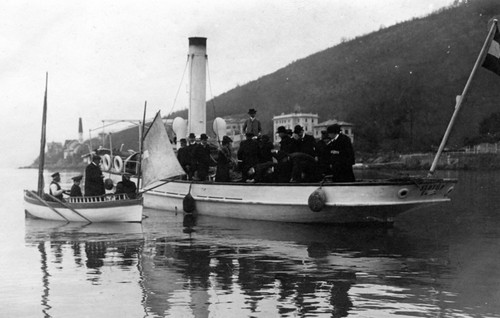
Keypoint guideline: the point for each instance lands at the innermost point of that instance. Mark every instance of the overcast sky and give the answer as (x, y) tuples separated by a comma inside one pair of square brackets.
[(106, 58)]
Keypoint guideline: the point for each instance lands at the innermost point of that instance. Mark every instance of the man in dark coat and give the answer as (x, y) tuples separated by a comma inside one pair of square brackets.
[(323, 154), (342, 155), (286, 140), (265, 149), (126, 186), (248, 154), (224, 161), (191, 160), (184, 157), (202, 157), (94, 184), (302, 142)]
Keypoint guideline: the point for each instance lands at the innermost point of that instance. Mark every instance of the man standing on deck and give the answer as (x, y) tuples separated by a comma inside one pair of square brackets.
[(94, 184), (252, 124), (341, 155)]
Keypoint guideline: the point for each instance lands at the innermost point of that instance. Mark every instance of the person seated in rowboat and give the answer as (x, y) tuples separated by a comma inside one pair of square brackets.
[(94, 180), (126, 186), (55, 189), (76, 191)]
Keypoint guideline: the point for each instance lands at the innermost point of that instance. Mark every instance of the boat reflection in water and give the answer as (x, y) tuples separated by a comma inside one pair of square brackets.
[(85, 267), (182, 266), (232, 268)]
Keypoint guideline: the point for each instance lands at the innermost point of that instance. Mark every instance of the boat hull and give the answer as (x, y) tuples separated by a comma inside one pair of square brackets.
[(357, 202), (128, 210)]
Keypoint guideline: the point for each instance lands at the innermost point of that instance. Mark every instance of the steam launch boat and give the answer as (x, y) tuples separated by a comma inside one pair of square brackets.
[(322, 202)]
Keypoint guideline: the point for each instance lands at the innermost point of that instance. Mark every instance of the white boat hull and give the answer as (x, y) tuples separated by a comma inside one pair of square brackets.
[(364, 201), (127, 210)]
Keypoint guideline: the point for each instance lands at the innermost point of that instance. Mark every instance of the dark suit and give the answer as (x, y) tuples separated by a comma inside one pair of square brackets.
[(94, 184), (342, 161), (248, 153), (76, 191), (305, 144), (201, 155)]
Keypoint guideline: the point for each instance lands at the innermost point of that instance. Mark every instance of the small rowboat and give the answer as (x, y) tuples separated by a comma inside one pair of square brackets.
[(108, 208)]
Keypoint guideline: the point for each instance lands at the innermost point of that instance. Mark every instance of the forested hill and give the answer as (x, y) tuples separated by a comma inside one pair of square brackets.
[(397, 85)]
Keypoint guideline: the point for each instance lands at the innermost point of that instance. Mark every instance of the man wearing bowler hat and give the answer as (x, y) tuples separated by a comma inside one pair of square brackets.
[(202, 157), (252, 124), (94, 184), (341, 155)]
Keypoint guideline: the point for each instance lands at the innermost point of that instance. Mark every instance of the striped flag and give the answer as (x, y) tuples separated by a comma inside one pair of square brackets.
[(492, 60)]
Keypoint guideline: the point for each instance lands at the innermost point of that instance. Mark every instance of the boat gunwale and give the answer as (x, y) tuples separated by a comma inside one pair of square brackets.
[(86, 205), (364, 182)]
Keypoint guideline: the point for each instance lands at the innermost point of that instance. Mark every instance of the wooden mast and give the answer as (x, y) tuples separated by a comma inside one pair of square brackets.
[(460, 98), (41, 157)]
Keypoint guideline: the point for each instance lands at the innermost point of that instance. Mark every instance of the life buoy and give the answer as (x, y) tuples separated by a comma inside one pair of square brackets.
[(106, 162), (118, 163)]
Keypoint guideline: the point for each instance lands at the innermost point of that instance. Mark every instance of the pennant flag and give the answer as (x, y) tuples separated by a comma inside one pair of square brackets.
[(492, 60)]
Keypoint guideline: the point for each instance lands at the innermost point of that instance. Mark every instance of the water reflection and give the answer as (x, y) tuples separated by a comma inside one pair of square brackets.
[(267, 269), (183, 266), (80, 259)]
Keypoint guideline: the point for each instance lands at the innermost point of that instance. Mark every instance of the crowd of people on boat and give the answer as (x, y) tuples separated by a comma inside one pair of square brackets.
[(299, 157), (95, 184)]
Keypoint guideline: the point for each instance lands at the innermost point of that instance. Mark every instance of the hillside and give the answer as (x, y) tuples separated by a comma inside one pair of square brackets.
[(397, 85)]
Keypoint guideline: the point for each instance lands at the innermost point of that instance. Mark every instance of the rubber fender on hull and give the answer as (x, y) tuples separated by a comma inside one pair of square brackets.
[(188, 203), (317, 200)]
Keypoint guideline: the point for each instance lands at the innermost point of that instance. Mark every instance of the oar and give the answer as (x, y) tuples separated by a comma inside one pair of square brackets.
[(68, 207), (46, 204), (159, 185)]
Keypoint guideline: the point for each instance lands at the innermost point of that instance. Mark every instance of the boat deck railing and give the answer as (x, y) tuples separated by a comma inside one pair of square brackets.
[(102, 198)]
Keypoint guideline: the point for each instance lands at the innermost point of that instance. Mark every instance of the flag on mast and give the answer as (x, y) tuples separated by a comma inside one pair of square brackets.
[(492, 59)]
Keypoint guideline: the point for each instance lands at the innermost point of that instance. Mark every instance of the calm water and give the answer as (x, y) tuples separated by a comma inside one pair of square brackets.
[(442, 261)]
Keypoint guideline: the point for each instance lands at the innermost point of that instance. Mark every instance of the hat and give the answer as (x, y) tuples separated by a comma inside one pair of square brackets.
[(203, 137), (298, 129), (127, 175), (252, 111), (55, 174), (281, 129), (192, 136), (96, 157), (183, 140), (77, 178), (333, 129), (226, 139)]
